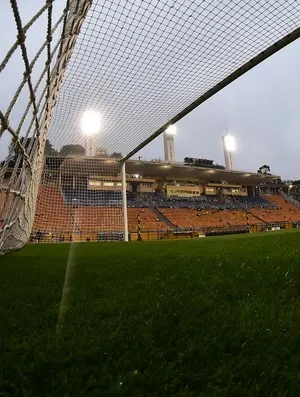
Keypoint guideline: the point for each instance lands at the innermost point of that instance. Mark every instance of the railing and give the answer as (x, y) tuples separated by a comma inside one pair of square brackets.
[(291, 199), (157, 234)]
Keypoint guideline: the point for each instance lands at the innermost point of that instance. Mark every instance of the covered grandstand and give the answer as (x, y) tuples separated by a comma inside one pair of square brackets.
[(81, 199)]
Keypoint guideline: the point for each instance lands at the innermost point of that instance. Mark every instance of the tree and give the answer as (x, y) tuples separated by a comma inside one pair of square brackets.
[(264, 169), (101, 152), (49, 150), (28, 144), (72, 150), (116, 155)]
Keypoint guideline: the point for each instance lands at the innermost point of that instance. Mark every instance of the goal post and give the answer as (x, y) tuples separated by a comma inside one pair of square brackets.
[(124, 202), (20, 171)]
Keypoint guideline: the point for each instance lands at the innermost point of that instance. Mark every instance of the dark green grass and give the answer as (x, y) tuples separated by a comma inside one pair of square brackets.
[(208, 317)]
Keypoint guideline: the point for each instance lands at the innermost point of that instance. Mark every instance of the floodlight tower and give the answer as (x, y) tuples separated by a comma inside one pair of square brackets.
[(229, 146), (169, 137), (90, 125)]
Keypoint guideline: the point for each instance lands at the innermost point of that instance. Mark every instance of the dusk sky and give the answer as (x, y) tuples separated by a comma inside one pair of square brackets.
[(261, 109)]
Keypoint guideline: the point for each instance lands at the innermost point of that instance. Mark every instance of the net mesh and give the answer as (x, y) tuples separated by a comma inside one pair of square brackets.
[(139, 63), (85, 197), (27, 113)]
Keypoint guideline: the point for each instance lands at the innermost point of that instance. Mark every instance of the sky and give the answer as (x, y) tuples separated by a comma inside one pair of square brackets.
[(261, 109)]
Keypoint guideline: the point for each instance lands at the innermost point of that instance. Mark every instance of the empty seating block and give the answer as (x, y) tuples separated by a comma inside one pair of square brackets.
[(148, 220), (285, 211), (186, 218), (54, 215)]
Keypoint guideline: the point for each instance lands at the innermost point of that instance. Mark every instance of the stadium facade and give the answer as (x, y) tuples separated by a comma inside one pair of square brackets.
[(82, 199)]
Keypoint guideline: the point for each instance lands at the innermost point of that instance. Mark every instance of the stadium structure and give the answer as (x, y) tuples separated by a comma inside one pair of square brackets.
[(163, 200), (83, 198), (117, 75)]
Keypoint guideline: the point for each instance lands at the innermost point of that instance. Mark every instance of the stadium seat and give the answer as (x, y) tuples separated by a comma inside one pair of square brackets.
[(284, 211), (64, 220)]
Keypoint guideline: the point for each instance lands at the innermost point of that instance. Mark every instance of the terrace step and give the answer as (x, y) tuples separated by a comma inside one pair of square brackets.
[(257, 217), (290, 199), (163, 218)]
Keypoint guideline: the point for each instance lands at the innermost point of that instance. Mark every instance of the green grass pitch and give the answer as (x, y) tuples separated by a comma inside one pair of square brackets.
[(208, 317)]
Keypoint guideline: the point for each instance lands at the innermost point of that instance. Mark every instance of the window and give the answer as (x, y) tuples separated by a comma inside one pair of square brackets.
[(95, 183)]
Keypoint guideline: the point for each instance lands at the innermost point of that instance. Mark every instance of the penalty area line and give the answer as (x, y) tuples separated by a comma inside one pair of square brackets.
[(66, 293)]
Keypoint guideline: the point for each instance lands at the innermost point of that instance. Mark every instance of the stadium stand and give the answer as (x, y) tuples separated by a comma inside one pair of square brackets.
[(148, 220), (295, 191), (83, 196), (201, 202), (284, 211), (87, 216), (190, 218), (63, 218), (55, 217)]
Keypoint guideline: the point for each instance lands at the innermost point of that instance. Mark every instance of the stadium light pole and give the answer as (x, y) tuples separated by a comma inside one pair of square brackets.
[(229, 146), (169, 137), (90, 125), (124, 202)]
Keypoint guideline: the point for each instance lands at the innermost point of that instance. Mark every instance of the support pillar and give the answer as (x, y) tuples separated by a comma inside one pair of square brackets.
[(124, 202)]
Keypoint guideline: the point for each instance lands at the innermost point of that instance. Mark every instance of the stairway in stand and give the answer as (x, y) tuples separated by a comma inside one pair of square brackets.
[(162, 218)]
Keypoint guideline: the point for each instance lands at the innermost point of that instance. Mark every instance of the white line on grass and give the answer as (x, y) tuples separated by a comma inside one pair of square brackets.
[(66, 294)]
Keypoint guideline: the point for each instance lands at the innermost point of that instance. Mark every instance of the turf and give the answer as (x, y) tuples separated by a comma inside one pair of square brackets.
[(208, 317)]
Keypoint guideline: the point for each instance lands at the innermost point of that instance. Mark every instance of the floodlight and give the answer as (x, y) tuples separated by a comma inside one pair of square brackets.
[(91, 122), (171, 130), (229, 142)]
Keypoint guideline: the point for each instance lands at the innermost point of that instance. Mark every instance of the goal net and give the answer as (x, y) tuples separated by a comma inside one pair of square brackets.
[(140, 64), (80, 199), (34, 69)]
